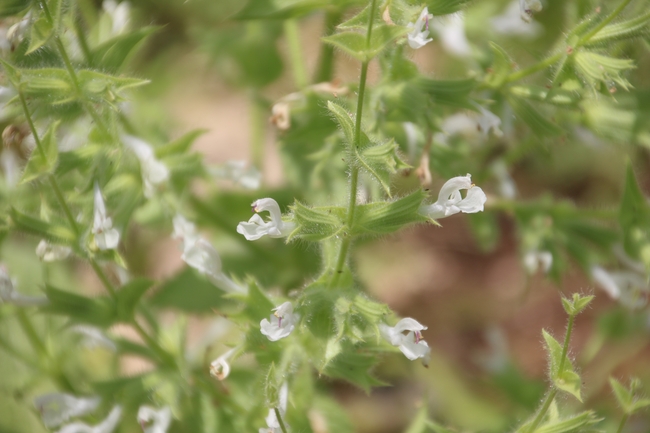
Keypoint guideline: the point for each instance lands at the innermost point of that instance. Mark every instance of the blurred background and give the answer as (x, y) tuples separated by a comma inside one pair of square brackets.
[(467, 280)]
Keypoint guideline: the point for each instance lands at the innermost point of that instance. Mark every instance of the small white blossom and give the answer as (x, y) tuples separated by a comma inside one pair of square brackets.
[(451, 29), (450, 201), (9, 295), (106, 426), (119, 14), (106, 237), (256, 227), (199, 254), (507, 186), (629, 288), (154, 172), (220, 368), (93, 337), (52, 253), (417, 37), (528, 7), (57, 408), (489, 121), (282, 323), (239, 172), (272, 422), (537, 260), (154, 421), (410, 344), (510, 23)]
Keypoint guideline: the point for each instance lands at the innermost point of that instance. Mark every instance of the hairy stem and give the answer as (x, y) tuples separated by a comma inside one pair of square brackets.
[(542, 411), (549, 61), (583, 40), (622, 423), (279, 417), (354, 173), (567, 338), (165, 357)]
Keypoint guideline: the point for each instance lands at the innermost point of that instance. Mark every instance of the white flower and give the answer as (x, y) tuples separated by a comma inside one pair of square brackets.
[(255, 228), (282, 322), (106, 237), (220, 368), (628, 287), (154, 421), (9, 295), (119, 14), (201, 255), (93, 337), (535, 260), (411, 344), (489, 121), (528, 7), (417, 38), (507, 186), (272, 422), (239, 172), (56, 408), (106, 426), (450, 201), (451, 29), (154, 172), (51, 253), (510, 23)]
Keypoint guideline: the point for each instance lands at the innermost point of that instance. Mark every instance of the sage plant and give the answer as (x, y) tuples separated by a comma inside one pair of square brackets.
[(84, 176)]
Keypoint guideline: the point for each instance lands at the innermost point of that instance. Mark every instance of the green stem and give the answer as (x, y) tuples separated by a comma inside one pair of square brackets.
[(103, 278), (32, 335), (292, 33), (165, 357), (354, 175), (16, 354), (30, 122), (583, 40), (549, 61), (567, 339), (279, 417), (542, 411), (623, 422), (83, 42), (325, 68), (258, 129)]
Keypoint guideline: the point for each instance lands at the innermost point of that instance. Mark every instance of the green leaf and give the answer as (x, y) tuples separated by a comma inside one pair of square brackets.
[(623, 395), (620, 31), (315, 224), (597, 68), (388, 217), (105, 87), (189, 292), (45, 162), (353, 364), (94, 311), (566, 379), (354, 43), (279, 9), (128, 347), (359, 21), (112, 55), (501, 67), (446, 7), (128, 297), (573, 424), (345, 122), (40, 33), (13, 7), (54, 231), (575, 306), (179, 146), (538, 124), (380, 161), (49, 84), (454, 93), (634, 217)]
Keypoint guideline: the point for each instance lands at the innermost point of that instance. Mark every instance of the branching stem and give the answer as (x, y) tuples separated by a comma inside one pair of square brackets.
[(354, 171)]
